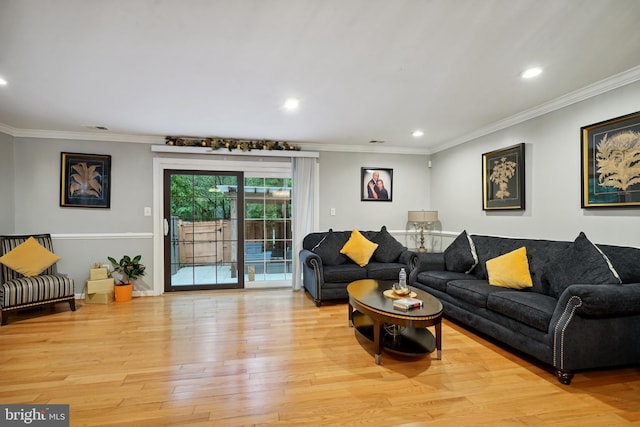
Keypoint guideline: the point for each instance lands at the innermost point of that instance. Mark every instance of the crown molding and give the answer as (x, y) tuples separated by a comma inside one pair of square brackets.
[(160, 140), (614, 82), (11, 131), (84, 136), (370, 148)]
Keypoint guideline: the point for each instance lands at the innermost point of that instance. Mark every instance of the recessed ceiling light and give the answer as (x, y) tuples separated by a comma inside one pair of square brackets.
[(531, 72), (291, 104), (3, 82), (417, 133)]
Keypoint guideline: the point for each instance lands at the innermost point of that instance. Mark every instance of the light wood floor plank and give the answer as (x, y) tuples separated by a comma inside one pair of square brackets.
[(270, 357)]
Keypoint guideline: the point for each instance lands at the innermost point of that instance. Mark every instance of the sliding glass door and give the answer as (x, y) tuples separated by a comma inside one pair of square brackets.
[(224, 230), (203, 239)]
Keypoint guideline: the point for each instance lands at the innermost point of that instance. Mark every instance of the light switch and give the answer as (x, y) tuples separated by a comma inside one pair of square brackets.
[(333, 211), (147, 211)]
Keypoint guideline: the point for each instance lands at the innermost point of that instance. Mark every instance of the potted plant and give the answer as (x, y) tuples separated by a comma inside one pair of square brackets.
[(129, 269)]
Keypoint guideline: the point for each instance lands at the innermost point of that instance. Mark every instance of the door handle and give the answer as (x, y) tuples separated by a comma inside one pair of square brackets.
[(166, 226)]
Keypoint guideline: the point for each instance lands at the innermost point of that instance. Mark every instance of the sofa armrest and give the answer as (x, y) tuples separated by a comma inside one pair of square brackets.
[(408, 258), (306, 256), (312, 274), (603, 300), (427, 261)]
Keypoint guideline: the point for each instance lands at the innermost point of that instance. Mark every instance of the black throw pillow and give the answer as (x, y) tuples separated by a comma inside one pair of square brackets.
[(389, 249), (625, 260), (328, 249), (461, 255), (582, 263)]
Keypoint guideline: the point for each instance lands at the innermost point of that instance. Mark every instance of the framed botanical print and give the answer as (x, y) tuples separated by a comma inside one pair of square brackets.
[(610, 152), (503, 179), (85, 180), (376, 184)]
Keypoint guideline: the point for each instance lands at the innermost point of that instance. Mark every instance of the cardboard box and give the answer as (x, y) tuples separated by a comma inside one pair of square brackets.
[(100, 298), (103, 285), (98, 273)]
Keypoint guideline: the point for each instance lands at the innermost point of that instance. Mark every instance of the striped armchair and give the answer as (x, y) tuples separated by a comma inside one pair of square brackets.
[(19, 292)]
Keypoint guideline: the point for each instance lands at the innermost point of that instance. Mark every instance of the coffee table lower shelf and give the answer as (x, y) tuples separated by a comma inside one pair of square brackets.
[(408, 342)]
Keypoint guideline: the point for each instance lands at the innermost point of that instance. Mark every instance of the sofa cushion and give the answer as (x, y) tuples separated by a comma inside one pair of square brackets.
[(29, 290), (460, 256), (539, 254), (384, 270), (529, 308), (328, 249), (439, 279), (344, 273), (582, 263), (389, 249), (29, 258), (510, 270), (474, 292), (625, 260), (359, 248)]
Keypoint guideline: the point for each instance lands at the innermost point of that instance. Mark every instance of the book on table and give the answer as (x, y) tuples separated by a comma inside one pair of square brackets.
[(407, 303)]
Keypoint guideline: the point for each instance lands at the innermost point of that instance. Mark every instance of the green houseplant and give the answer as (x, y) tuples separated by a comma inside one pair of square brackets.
[(129, 269)]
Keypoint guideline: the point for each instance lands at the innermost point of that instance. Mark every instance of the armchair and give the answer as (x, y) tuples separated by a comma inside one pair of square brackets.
[(18, 291)]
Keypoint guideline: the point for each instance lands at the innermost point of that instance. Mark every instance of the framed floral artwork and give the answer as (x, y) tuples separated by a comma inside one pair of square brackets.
[(85, 180), (376, 184), (503, 179), (610, 152)]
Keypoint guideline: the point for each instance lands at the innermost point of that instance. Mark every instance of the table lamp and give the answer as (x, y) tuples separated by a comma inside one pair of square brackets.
[(420, 221)]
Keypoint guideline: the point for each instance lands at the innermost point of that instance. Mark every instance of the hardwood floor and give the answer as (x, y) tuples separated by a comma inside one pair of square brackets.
[(270, 357)]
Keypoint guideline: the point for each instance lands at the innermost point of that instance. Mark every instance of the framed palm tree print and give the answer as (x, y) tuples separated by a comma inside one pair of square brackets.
[(611, 163), (85, 180)]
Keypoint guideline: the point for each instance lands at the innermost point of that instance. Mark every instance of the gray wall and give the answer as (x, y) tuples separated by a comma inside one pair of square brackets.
[(83, 236), (37, 181), (7, 193), (552, 178), (340, 180)]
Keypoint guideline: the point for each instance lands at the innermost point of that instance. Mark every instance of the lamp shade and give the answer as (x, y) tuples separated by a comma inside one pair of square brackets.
[(423, 216)]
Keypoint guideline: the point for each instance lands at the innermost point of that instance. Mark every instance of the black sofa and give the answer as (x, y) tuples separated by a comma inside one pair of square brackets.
[(326, 272), (581, 312)]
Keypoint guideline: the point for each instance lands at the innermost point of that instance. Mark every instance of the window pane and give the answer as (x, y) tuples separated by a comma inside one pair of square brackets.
[(267, 229)]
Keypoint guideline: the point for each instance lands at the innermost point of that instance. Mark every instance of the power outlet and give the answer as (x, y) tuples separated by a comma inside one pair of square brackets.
[(332, 211)]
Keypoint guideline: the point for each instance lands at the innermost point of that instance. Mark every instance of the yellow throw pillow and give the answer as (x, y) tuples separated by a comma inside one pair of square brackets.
[(358, 248), (29, 258), (510, 270)]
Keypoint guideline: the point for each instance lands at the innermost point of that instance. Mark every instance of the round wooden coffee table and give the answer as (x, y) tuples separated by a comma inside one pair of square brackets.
[(403, 332)]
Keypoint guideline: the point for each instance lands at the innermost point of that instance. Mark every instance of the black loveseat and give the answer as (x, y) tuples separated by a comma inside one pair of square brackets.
[(326, 272), (581, 312)]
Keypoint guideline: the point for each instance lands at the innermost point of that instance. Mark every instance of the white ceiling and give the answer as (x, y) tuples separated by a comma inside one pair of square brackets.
[(363, 69)]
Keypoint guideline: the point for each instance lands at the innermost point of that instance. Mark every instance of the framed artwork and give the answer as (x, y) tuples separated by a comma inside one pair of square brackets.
[(611, 162), (85, 180), (376, 184), (503, 179)]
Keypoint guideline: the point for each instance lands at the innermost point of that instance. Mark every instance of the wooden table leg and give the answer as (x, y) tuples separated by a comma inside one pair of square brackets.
[(439, 340), (377, 340), (350, 316)]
